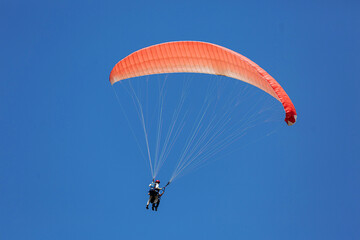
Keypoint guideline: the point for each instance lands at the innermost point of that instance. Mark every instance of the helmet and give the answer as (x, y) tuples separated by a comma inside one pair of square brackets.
[(157, 181)]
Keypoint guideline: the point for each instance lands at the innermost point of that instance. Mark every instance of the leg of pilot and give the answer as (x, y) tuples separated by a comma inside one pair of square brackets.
[(157, 204), (154, 202), (148, 202)]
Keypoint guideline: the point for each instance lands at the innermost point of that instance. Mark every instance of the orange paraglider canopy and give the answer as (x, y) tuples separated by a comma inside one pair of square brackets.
[(201, 57)]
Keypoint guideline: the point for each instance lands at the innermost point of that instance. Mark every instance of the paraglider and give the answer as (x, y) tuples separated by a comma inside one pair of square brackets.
[(193, 57)]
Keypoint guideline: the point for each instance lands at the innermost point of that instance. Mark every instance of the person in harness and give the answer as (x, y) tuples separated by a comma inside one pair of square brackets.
[(155, 195)]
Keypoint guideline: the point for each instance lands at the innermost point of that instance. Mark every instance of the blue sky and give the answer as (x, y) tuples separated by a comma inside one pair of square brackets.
[(70, 168)]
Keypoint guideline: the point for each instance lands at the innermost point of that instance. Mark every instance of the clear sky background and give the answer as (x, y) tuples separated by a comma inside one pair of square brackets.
[(70, 168)]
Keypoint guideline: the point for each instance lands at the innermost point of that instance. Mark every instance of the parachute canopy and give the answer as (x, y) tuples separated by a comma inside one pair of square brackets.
[(201, 57)]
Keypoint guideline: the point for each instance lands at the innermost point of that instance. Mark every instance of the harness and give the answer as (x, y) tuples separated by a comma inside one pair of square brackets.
[(152, 190), (155, 192)]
